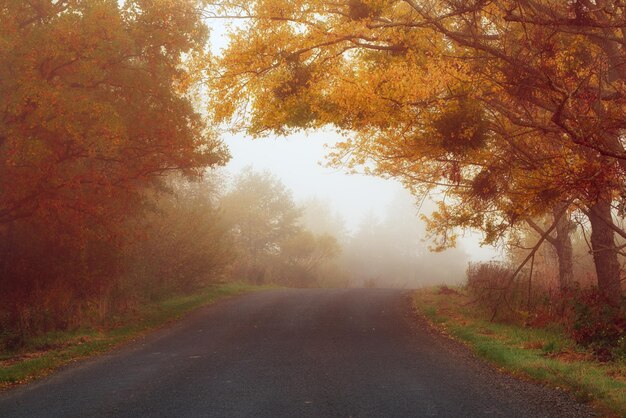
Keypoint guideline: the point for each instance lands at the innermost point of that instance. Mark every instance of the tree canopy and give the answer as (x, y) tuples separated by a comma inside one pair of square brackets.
[(512, 108), (95, 106)]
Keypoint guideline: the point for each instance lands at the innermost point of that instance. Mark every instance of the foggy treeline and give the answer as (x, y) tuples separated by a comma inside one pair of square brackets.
[(309, 244), (391, 250), (190, 233)]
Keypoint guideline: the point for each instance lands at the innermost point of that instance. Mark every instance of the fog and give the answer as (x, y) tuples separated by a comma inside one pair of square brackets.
[(377, 222)]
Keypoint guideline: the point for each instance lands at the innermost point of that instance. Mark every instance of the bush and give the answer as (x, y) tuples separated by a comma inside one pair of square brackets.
[(186, 243), (51, 279), (597, 324), (65, 277), (489, 285)]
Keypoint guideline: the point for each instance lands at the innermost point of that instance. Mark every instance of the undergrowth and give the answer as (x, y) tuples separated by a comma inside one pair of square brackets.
[(546, 354), (42, 354)]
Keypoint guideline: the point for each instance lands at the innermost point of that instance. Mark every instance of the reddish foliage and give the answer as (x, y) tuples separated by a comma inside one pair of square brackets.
[(597, 324)]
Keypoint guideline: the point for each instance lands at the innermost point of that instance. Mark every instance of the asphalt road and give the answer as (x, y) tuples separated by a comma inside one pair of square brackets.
[(290, 353)]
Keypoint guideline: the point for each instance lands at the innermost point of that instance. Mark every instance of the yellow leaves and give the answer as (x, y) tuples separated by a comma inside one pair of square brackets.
[(354, 78), (439, 97), (276, 9)]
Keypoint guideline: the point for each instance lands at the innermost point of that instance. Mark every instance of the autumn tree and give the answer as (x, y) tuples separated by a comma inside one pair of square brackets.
[(94, 106), (96, 111), (308, 260), (559, 69), (261, 213), (515, 108), (185, 241), (319, 217), (273, 244)]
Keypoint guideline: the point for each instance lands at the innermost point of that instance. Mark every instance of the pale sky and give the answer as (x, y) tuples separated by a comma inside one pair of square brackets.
[(298, 161)]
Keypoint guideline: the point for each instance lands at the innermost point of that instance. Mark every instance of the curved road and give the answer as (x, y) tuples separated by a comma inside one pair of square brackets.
[(290, 353)]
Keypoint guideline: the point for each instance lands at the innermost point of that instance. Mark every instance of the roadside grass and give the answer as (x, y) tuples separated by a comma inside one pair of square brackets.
[(545, 355), (45, 353)]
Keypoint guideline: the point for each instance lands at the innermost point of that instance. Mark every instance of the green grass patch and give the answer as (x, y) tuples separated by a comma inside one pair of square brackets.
[(546, 355), (48, 352)]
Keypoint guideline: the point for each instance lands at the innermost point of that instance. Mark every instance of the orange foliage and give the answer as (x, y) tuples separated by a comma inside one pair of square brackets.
[(95, 112)]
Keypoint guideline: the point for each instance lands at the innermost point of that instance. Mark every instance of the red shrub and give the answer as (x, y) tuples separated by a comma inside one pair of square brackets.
[(597, 324)]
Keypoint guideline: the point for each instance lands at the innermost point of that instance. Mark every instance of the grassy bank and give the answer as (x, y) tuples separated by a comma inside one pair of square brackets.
[(46, 353), (545, 355)]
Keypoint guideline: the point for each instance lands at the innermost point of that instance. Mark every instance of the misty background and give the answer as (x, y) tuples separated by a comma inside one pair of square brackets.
[(377, 222)]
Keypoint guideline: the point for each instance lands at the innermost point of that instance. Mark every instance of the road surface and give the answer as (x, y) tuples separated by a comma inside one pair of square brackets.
[(290, 353)]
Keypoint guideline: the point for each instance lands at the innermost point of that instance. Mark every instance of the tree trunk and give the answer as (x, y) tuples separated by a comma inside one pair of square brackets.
[(604, 250), (564, 251), (562, 244)]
